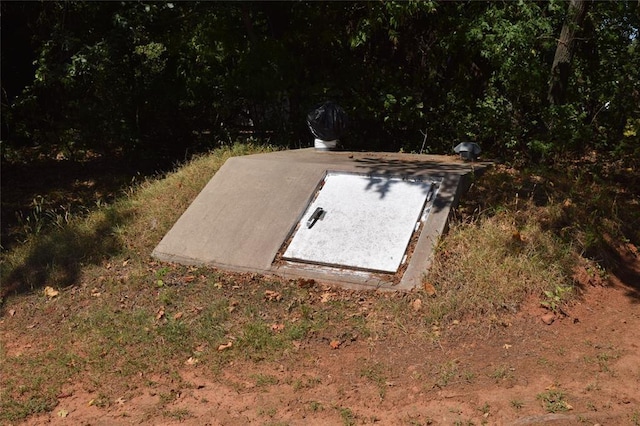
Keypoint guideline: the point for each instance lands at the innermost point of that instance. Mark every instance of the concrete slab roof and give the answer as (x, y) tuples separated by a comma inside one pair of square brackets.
[(250, 208)]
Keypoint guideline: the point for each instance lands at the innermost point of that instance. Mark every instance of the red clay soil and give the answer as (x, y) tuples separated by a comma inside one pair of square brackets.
[(585, 365)]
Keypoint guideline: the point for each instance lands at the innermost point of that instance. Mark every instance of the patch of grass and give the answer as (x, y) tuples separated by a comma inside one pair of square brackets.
[(180, 414), (31, 383), (375, 372), (168, 397), (270, 411), (543, 361), (315, 406), (469, 376), (501, 373), (517, 404), (417, 422), (347, 416), (489, 266), (602, 360), (263, 380), (258, 341), (553, 401), (130, 226), (485, 408), (309, 383), (592, 387), (14, 409), (447, 372)]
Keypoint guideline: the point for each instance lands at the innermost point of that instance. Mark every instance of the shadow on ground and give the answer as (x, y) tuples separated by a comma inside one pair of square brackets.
[(583, 204), (58, 257)]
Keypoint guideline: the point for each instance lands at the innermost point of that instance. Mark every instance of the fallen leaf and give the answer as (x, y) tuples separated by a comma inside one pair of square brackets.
[(223, 347), (326, 296), (160, 314), (50, 292), (218, 285), (189, 278), (416, 305), (178, 316), (12, 312), (125, 262), (63, 413), (335, 344), (192, 361), (120, 401), (277, 327), (429, 289), (271, 296), (303, 283), (507, 346)]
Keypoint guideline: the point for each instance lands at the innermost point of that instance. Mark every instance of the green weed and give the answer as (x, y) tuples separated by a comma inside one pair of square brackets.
[(180, 414), (347, 416), (553, 401), (447, 372), (555, 297), (501, 373), (517, 404), (376, 373), (264, 380), (315, 406)]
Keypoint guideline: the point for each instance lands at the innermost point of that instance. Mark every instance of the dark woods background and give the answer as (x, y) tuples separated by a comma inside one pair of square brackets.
[(527, 80)]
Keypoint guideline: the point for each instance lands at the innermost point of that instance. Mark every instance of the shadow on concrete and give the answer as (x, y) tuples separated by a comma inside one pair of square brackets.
[(383, 185), (448, 174)]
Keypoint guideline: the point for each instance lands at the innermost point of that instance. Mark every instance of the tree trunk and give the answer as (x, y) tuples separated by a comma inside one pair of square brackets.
[(564, 52)]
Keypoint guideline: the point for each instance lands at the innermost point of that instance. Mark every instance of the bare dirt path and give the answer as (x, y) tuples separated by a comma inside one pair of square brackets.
[(584, 368)]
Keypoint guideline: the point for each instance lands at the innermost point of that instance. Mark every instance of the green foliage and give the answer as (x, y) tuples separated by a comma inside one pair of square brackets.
[(554, 298), (161, 78), (553, 401)]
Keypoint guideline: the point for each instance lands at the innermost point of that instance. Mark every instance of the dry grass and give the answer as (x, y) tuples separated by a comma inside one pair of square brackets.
[(490, 266)]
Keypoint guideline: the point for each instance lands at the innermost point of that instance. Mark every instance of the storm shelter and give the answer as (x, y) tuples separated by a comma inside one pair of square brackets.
[(356, 219)]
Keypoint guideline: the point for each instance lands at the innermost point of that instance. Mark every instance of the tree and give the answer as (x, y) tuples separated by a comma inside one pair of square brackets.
[(565, 51)]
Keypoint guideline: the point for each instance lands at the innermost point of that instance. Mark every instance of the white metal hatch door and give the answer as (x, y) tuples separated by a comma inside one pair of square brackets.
[(360, 221)]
